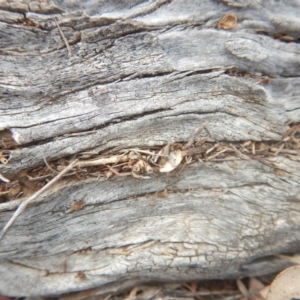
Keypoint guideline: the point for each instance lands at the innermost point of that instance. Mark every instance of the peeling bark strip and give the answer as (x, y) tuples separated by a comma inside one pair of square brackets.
[(144, 74)]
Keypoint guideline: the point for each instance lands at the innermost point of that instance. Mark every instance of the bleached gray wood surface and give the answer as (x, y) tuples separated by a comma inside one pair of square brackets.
[(145, 74)]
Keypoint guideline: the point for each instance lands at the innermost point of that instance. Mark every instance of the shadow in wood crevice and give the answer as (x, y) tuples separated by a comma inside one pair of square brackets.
[(7, 141)]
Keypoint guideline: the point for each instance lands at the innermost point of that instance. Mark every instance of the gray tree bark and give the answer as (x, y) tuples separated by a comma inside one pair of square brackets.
[(142, 74)]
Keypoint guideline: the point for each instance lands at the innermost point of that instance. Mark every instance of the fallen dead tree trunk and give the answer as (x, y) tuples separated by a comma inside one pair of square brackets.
[(122, 88)]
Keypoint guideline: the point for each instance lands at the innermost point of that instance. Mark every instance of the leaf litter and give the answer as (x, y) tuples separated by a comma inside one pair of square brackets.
[(142, 162), (282, 286)]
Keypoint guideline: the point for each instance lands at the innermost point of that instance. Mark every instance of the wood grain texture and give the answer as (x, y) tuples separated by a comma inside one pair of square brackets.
[(216, 217), (146, 73)]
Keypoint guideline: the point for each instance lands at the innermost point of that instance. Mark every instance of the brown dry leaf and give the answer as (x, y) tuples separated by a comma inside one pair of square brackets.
[(85, 250), (138, 166), (79, 205), (255, 285), (287, 38), (64, 266), (6, 140), (133, 155), (228, 22), (81, 276), (264, 292), (192, 287), (175, 159), (132, 294), (148, 168), (163, 194), (135, 175), (108, 174), (280, 173), (264, 81), (242, 288), (153, 199), (285, 286)]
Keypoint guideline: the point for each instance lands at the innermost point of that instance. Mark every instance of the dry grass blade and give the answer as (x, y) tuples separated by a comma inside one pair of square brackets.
[(34, 196), (64, 38), (38, 178), (242, 289), (107, 297), (255, 286), (48, 166), (295, 259), (132, 294)]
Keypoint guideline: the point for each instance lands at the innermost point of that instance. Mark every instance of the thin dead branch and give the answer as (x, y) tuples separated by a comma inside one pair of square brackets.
[(217, 154), (287, 151), (238, 152), (214, 147), (103, 161), (192, 138), (64, 38), (113, 170), (38, 178), (34, 196), (279, 149)]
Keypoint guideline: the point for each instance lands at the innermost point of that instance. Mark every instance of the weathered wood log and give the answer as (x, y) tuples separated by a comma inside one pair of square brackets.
[(142, 75)]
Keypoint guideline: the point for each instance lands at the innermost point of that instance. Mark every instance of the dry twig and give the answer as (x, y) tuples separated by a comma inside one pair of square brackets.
[(279, 149), (195, 133), (103, 161), (239, 153), (113, 170), (217, 154), (34, 196), (64, 38)]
